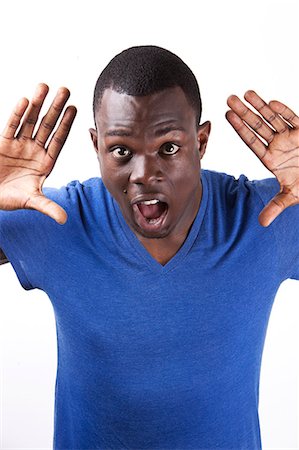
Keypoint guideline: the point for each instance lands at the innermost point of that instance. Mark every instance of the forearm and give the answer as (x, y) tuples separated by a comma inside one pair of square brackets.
[(3, 258)]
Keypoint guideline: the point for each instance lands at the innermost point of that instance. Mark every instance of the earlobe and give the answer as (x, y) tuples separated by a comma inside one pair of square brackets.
[(94, 138)]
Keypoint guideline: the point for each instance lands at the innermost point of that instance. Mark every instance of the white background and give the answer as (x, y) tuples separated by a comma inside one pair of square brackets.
[(231, 46)]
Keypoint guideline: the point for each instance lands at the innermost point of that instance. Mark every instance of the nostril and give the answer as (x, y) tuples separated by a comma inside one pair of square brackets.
[(145, 171)]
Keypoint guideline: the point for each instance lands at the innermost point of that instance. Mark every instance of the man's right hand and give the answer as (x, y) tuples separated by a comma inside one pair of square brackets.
[(26, 159)]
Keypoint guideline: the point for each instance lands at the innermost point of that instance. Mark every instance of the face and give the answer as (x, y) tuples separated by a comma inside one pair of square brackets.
[(149, 149)]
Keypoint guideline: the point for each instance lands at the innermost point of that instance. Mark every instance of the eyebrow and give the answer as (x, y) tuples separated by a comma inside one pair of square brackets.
[(167, 129)]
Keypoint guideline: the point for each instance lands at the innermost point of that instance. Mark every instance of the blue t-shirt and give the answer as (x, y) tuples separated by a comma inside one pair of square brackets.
[(151, 356)]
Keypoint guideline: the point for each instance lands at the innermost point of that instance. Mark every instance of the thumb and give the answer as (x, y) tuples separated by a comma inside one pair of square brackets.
[(48, 207), (275, 207)]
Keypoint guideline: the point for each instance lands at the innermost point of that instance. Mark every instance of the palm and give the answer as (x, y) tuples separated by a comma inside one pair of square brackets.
[(275, 141), (282, 161), (22, 172), (25, 161)]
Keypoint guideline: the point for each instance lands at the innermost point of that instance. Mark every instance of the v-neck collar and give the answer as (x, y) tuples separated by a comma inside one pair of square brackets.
[(152, 263)]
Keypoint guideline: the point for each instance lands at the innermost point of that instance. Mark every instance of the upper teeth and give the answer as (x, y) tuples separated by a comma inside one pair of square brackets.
[(150, 202)]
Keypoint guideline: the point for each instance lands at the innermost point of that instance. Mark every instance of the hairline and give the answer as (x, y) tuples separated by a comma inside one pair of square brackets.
[(120, 90)]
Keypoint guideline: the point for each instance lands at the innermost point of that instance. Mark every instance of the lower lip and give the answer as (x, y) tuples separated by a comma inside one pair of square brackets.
[(156, 225)]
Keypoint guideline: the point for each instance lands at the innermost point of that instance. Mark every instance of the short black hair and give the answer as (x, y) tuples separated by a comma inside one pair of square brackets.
[(145, 70)]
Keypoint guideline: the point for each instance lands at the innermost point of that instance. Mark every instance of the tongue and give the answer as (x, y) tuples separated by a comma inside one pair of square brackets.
[(152, 211)]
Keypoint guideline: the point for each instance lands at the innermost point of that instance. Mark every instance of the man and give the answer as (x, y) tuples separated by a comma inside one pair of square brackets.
[(162, 279)]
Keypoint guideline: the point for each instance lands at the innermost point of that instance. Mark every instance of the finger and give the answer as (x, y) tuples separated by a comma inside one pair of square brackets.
[(48, 207), (15, 119), (248, 136), (33, 111), (252, 119), (59, 137), (261, 106), (285, 112), (49, 121), (275, 207)]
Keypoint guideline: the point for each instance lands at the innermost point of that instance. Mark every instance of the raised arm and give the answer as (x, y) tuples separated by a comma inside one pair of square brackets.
[(29, 150)]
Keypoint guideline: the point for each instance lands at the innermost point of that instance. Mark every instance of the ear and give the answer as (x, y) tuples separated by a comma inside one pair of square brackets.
[(94, 138), (203, 133)]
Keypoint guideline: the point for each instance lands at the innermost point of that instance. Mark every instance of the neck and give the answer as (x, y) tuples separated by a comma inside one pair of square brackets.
[(162, 250)]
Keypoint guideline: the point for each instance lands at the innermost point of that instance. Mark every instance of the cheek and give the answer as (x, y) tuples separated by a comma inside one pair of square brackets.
[(186, 178), (113, 178), (188, 168)]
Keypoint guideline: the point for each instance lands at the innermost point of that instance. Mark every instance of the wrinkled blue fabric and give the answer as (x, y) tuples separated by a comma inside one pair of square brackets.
[(151, 356)]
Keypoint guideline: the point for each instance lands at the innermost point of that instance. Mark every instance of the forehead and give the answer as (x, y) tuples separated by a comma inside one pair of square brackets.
[(169, 106)]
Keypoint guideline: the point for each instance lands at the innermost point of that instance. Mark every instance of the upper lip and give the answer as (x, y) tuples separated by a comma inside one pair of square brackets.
[(146, 197)]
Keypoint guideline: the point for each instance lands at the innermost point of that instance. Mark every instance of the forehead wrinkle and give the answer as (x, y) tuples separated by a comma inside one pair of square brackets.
[(119, 132), (157, 130), (161, 131)]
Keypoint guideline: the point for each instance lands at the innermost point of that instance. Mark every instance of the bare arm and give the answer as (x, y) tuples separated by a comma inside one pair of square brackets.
[(3, 258)]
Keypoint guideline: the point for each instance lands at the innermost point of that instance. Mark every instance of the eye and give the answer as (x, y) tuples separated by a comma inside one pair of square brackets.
[(169, 148), (120, 152)]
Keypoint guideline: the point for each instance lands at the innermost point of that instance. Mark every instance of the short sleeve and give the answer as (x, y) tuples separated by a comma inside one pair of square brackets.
[(35, 244), (26, 237), (285, 229)]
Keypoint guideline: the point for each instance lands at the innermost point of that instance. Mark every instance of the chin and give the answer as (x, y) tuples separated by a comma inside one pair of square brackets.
[(152, 235)]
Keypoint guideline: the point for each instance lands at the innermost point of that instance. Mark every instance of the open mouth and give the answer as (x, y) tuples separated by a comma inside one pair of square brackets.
[(152, 210), (150, 214)]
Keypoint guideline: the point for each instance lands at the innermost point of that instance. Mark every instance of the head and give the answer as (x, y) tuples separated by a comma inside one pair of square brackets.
[(149, 140), (145, 70)]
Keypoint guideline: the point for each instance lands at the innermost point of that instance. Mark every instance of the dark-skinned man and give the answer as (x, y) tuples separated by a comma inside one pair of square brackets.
[(162, 279)]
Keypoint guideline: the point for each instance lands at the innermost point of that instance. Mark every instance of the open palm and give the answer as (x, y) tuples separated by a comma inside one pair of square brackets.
[(274, 137), (26, 159)]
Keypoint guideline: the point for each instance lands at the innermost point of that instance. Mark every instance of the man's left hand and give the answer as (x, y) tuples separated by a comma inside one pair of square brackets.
[(273, 136)]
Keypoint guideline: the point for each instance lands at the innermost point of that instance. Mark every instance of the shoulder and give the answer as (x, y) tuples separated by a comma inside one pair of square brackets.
[(263, 188), (76, 190), (30, 239), (77, 198), (236, 203), (80, 198), (229, 189)]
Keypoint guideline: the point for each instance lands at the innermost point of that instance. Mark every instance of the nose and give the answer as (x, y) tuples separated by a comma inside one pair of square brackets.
[(146, 170)]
